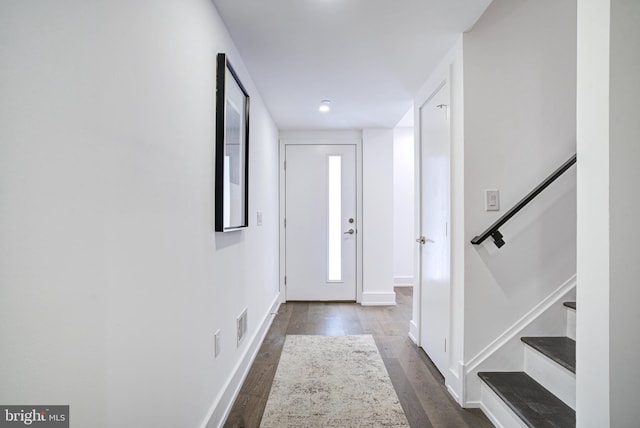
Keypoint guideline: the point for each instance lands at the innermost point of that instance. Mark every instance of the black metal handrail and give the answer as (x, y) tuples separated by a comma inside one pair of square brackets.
[(492, 231)]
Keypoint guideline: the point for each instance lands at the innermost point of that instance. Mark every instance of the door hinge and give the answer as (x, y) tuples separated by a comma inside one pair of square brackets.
[(285, 165), (285, 222), (445, 344), (285, 280)]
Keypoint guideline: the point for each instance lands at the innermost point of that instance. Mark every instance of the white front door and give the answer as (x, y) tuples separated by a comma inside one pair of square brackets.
[(321, 224), (434, 220)]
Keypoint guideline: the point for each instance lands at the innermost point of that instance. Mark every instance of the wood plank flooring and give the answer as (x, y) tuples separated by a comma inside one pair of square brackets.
[(419, 385)]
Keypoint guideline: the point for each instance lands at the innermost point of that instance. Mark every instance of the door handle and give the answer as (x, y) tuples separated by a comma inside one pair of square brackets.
[(422, 240), (350, 232)]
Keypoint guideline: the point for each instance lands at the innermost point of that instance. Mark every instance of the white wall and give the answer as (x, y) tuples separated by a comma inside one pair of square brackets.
[(624, 151), (519, 125), (403, 206), (608, 131), (377, 207), (112, 279)]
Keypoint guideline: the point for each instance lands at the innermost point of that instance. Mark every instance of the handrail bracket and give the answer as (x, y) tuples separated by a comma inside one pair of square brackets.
[(497, 239)]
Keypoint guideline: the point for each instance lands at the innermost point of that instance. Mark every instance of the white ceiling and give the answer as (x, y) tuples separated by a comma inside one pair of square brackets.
[(369, 57)]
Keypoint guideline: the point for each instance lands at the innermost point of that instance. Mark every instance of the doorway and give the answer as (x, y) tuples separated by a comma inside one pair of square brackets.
[(320, 221), (434, 236)]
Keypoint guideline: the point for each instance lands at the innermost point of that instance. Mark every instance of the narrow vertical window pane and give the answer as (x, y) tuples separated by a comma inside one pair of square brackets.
[(335, 219)]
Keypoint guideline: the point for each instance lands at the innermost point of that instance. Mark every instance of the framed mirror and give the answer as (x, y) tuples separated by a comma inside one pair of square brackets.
[(232, 150)]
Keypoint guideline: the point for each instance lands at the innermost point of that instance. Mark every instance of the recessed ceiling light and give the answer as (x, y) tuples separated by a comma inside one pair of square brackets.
[(325, 106)]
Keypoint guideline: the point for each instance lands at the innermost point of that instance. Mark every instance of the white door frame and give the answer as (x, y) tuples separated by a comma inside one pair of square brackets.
[(431, 338), (321, 137), (415, 331)]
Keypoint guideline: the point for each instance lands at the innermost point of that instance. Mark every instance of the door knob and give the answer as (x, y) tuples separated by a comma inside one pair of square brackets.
[(350, 232)]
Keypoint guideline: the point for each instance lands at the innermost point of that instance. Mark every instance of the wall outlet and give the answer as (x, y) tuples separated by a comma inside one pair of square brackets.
[(216, 343), (259, 218), (241, 323)]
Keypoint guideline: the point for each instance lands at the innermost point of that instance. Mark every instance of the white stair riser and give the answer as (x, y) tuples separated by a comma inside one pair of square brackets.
[(571, 323), (497, 410), (558, 380)]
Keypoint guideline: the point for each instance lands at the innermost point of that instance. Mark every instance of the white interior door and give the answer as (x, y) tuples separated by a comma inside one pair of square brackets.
[(321, 224), (434, 220)]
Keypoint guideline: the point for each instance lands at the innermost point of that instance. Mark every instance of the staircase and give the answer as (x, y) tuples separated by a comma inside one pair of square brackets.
[(544, 394)]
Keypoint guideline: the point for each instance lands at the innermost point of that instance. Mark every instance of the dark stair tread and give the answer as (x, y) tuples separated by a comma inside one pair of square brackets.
[(562, 350), (571, 305), (534, 404)]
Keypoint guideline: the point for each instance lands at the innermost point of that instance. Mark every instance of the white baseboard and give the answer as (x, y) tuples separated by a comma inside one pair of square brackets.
[(453, 393), (454, 381), (473, 405), (378, 298), (413, 332), (224, 401), (403, 281)]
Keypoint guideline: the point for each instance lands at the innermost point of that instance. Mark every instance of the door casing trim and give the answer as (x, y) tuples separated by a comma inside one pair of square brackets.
[(312, 138)]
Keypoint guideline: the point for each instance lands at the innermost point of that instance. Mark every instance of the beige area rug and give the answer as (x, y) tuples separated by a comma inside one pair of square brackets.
[(332, 381)]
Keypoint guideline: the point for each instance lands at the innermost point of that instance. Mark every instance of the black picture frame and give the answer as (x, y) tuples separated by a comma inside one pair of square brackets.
[(232, 149)]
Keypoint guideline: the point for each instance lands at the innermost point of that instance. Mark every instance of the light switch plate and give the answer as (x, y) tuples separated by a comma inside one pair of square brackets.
[(492, 200)]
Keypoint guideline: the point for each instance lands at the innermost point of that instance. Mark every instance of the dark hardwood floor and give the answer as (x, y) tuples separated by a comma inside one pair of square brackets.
[(419, 385)]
